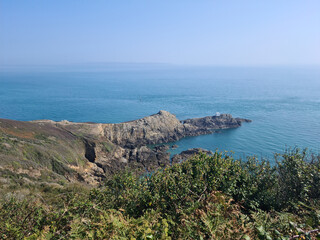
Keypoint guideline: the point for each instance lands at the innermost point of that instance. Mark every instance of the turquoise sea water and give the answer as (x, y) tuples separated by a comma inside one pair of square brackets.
[(284, 103)]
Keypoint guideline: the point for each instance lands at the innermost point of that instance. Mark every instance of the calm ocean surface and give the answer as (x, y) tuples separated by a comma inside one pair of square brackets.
[(284, 103)]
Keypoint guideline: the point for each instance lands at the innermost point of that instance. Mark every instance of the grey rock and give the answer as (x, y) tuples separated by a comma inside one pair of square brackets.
[(188, 154)]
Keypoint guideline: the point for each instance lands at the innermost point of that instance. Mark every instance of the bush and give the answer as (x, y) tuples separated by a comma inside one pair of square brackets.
[(205, 197)]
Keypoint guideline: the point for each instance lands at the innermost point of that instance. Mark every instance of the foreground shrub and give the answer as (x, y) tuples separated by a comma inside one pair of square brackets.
[(205, 197)]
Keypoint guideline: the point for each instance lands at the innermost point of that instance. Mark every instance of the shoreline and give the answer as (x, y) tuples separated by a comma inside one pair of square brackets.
[(89, 152)]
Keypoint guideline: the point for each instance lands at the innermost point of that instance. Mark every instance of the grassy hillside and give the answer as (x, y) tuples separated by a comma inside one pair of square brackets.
[(35, 153), (205, 197)]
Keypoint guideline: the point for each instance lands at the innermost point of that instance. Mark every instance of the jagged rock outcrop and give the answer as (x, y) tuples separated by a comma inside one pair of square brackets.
[(165, 127), (158, 128), (91, 151), (198, 126), (184, 155)]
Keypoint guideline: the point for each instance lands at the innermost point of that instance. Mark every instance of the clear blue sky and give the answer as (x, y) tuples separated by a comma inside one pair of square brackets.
[(209, 32)]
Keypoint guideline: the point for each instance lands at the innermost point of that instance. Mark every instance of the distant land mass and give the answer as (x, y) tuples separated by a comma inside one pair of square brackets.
[(89, 152)]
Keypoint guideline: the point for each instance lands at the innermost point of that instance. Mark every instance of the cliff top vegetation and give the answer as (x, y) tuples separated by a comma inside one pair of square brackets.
[(205, 197)]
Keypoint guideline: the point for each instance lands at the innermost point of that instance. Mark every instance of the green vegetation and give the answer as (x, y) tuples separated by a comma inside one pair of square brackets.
[(205, 197), (47, 154), (108, 146)]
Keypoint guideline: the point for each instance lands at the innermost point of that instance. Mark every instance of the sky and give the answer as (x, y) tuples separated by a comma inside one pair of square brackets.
[(196, 32)]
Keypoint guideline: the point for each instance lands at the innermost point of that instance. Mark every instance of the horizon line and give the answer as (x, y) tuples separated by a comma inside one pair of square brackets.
[(123, 64)]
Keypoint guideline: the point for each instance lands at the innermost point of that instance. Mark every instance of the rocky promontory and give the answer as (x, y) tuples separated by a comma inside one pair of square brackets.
[(89, 152)]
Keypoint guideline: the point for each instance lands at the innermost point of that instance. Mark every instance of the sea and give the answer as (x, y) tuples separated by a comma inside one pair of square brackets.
[(282, 102)]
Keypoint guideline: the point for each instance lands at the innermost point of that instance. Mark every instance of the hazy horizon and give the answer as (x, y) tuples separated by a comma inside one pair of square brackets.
[(138, 66)]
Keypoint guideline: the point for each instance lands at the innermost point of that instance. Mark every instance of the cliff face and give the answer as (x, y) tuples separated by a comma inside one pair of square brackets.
[(90, 151), (158, 128)]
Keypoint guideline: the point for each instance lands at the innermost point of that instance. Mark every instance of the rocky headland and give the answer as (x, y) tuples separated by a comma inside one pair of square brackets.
[(89, 152)]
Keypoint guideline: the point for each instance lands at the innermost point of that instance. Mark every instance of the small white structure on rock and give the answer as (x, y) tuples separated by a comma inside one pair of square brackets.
[(217, 114)]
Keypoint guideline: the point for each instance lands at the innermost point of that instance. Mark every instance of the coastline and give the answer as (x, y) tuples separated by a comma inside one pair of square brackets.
[(89, 152)]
